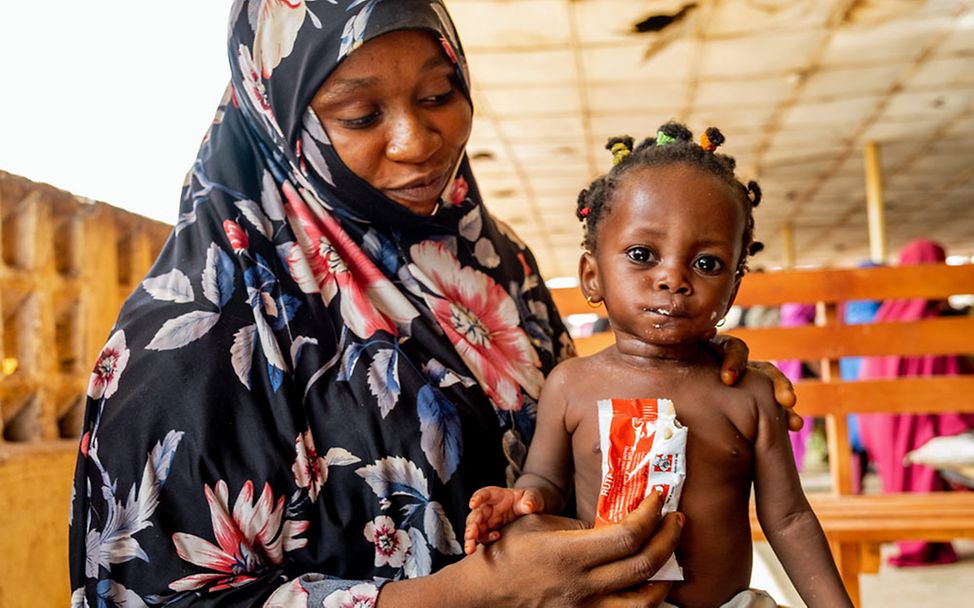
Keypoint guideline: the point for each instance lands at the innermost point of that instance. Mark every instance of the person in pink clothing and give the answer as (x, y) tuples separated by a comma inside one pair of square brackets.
[(888, 437), (796, 315)]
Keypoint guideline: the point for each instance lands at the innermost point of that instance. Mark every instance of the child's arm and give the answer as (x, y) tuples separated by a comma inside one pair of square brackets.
[(786, 518), (546, 481)]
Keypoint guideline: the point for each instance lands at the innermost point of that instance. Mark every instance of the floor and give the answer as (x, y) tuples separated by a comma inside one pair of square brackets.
[(950, 586)]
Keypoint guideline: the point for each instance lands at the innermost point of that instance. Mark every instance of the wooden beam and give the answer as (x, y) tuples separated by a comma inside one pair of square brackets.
[(875, 205), (937, 336), (915, 395)]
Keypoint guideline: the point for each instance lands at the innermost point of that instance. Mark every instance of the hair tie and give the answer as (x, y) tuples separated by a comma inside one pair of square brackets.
[(663, 139), (585, 211), (711, 139), (620, 151)]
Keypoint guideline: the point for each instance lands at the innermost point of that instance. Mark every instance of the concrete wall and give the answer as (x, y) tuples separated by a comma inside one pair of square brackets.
[(66, 265)]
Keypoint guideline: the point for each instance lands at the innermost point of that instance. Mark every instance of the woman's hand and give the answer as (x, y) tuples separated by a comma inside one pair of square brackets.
[(734, 362), (551, 561), (544, 560)]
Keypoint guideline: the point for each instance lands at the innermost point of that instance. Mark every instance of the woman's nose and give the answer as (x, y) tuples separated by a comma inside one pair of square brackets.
[(672, 279), (411, 140)]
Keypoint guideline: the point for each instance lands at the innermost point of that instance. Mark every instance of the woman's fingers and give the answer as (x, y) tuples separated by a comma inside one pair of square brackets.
[(784, 392), (734, 357), (645, 561), (609, 544)]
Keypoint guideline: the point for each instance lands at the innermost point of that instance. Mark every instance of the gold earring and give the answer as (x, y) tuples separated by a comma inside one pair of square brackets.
[(591, 303)]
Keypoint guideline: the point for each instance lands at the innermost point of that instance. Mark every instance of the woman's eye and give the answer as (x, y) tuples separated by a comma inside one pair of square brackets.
[(708, 264), (440, 98), (641, 255), (361, 122)]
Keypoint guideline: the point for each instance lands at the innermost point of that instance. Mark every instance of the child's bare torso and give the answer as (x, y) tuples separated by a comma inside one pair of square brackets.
[(715, 549)]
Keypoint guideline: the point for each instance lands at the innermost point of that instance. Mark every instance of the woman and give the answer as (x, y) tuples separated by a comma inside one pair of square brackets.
[(888, 437), (336, 347)]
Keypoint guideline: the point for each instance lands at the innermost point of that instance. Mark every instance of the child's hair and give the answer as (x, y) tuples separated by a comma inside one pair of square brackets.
[(673, 144)]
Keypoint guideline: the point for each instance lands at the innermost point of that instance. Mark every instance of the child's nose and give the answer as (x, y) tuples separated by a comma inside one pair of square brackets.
[(673, 280)]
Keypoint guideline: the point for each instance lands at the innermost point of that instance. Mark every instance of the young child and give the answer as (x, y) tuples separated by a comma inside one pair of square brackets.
[(667, 235)]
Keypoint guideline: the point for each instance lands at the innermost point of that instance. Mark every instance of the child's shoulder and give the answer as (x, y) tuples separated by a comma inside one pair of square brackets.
[(746, 403), (567, 371), (760, 390)]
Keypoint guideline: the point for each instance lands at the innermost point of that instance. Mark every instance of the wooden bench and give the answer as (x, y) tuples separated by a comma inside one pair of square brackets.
[(857, 524)]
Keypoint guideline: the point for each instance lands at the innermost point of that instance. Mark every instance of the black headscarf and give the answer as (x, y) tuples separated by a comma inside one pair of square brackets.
[(311, 380)]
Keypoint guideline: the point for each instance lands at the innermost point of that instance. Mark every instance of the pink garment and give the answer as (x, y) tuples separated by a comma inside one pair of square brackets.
[(888, 437), (795, 315)]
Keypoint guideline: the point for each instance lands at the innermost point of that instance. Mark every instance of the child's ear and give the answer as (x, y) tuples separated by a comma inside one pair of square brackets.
[(733, 296), (588, 278)]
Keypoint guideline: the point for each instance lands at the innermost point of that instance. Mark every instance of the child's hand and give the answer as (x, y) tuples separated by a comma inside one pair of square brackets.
[(493, 508)]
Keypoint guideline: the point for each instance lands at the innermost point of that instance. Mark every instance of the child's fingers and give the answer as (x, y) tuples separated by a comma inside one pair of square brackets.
[(489, 537), (479, 497), (530, 502)]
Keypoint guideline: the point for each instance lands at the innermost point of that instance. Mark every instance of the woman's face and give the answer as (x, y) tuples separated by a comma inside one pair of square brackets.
[(396, 115)]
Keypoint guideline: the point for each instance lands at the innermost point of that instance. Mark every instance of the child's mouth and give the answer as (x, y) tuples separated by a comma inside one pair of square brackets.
[(664, 311)]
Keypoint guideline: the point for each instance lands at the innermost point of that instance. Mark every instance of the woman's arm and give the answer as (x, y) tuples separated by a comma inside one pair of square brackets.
[(544, 560), (786, 518)]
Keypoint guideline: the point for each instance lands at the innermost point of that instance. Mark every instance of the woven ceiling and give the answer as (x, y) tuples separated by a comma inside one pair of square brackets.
[(798, 87)]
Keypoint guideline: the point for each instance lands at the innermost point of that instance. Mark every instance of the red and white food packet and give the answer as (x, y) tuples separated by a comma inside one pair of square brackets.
[(643, 449)]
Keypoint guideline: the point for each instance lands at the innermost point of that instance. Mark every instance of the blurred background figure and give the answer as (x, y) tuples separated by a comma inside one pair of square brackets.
[(795, 315), (889, 437), (857, 312)]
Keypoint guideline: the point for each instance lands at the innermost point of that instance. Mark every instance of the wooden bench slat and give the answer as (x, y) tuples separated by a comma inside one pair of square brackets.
[(934, 281), (937, 336), (916, 395), (891, 517)]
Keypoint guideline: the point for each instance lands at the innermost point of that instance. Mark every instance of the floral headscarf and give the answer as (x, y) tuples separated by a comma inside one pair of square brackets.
[(299, 399)]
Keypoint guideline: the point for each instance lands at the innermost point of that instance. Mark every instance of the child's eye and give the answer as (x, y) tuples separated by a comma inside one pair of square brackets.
[(708, 264), (641, 255)]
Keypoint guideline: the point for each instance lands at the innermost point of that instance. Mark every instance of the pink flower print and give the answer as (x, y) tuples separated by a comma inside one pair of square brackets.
[(370, 302), (391, 544), (362, 595), (238, 238), (482, 322), (448, 49), (108, 369), (250, 538), (253, 85), (311, 470), (290, 594), (459, 191), (277, 28)]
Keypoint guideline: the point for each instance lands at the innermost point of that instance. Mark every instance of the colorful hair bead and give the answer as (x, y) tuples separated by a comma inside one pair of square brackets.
[(619, 152), (663, 138), (711, 139)]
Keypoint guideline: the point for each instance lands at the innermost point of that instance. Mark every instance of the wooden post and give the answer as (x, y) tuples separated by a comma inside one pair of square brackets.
[(875, 206), (836, 426), (788, 244)]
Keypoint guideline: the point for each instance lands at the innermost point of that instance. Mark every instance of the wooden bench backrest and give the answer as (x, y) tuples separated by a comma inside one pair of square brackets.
[(829, 340)]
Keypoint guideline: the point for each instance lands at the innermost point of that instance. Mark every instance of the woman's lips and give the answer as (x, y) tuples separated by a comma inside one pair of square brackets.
[(423, 191)]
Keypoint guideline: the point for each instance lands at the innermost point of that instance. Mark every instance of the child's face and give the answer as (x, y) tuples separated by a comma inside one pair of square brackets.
[(666, 260)]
